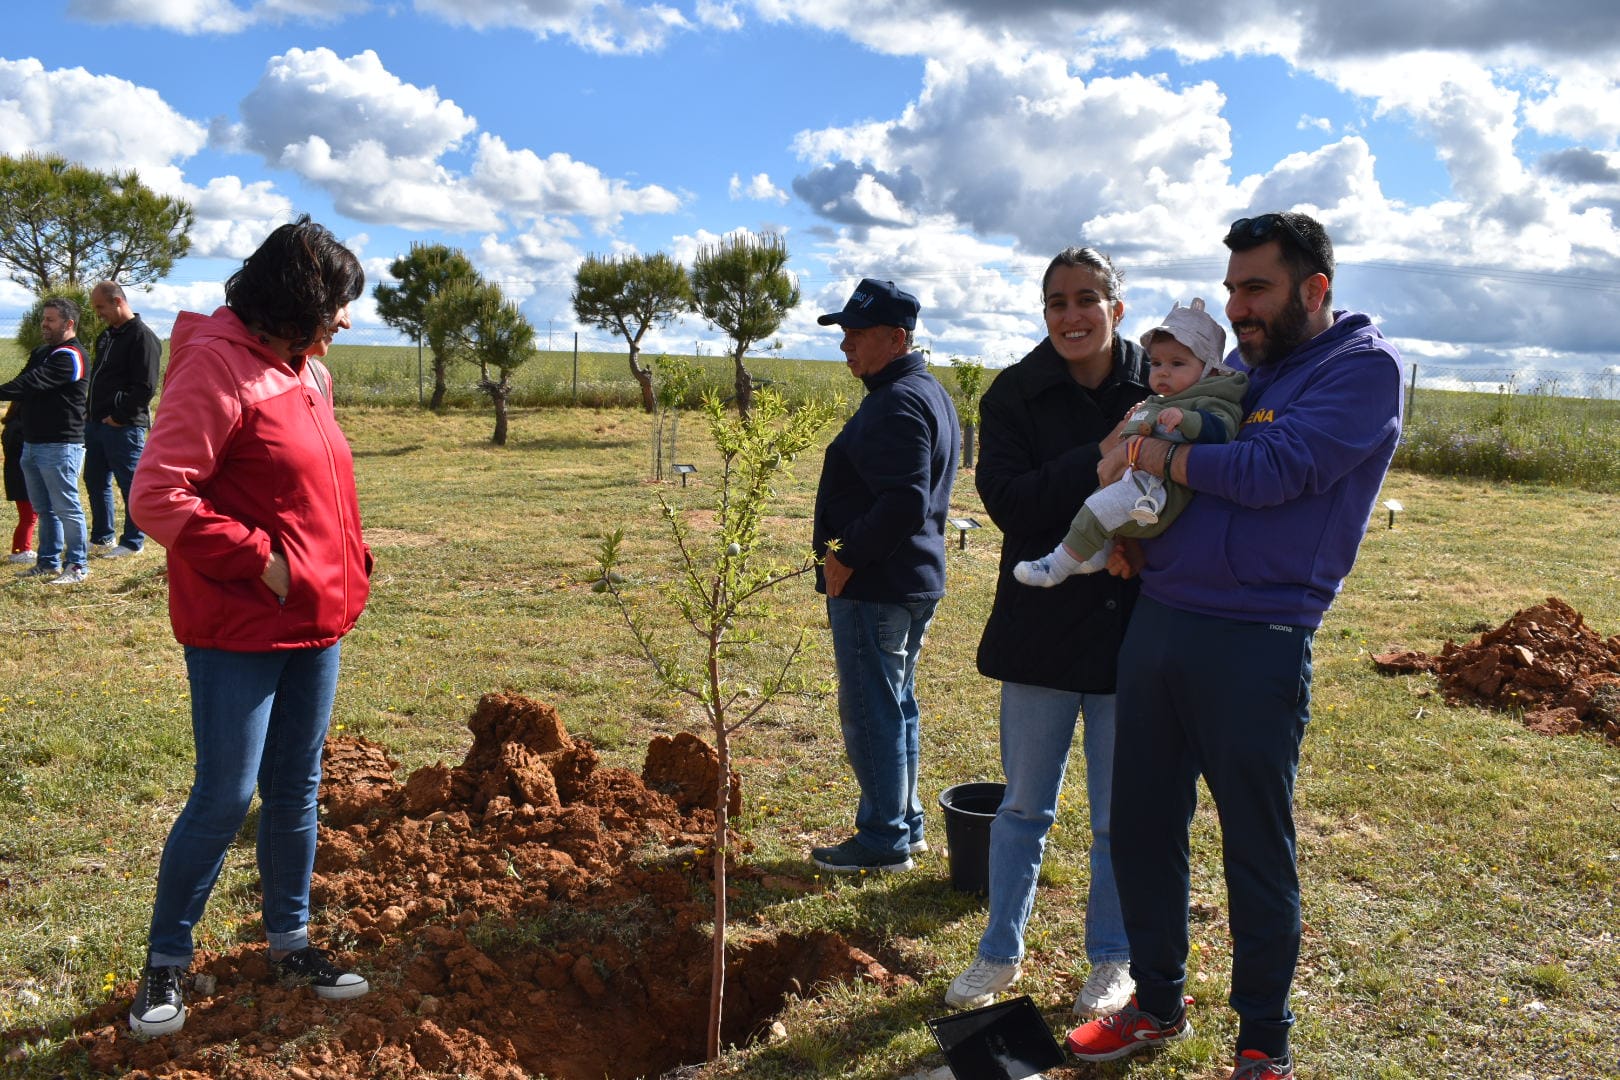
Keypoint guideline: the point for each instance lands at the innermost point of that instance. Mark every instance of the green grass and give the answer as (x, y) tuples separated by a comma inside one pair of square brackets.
[(1459, 872), (1539, 437)]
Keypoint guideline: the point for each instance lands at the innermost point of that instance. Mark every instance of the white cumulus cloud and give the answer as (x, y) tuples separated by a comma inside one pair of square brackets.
[(759, 187), (209, 16), (603, 26), (99, 120), (523, 181), (346, 102)]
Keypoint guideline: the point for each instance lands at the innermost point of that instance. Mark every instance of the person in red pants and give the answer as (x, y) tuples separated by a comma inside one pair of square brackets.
[(22, 537)]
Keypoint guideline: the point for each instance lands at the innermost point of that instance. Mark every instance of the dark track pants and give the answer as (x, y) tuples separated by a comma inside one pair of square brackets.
[(1228, 700)]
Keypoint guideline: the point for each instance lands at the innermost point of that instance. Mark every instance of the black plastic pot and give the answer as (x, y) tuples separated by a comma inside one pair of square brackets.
[(969, 810)]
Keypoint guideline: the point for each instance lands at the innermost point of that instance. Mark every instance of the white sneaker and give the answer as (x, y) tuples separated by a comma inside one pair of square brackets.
[(21, 557), (1107, 991), (980, 983), (119, 552), (71, 575)]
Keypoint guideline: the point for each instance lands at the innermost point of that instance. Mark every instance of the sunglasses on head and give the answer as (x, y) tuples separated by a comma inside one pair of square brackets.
[(1265, 227)]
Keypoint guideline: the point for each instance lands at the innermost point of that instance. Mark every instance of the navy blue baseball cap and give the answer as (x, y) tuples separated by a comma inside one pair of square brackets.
[(876, 303)]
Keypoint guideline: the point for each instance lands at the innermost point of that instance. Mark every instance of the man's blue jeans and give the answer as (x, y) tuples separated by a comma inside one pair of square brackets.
[(51, 471), (875, 648), (258, 719), (1037, 729), (111, 453)]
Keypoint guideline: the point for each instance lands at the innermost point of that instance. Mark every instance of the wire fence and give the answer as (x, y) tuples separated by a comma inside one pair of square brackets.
[(1430, 387)]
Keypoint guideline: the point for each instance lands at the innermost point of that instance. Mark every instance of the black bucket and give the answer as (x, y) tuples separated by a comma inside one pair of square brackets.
[(969, 810), (1005, 1041)]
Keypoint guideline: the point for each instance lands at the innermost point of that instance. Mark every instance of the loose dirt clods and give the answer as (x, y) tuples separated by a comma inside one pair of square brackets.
[(1545, 661), (525, 912)]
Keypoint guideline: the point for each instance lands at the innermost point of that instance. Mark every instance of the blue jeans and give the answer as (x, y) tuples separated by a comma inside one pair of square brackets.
[(1037, 729), (1227, 700), (111, 452), (51, 471), (258, 719), (875, 649)]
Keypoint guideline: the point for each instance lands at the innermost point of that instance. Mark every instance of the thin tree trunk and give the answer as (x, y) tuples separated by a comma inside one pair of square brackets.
[(436, 402), (717, 980), (745, 385), (658, 446), (499, 394), (968, 434), (643, 376)]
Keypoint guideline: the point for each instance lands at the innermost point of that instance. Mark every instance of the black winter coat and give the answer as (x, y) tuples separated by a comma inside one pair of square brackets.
[(1040, 429)]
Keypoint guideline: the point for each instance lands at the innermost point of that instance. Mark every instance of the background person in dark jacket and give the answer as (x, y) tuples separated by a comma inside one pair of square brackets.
[(52, 391), (884, 493), (1054, 650), (122, 382)]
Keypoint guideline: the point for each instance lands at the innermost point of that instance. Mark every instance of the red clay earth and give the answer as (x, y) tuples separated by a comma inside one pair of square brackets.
[(1545, 660), (526, 912)]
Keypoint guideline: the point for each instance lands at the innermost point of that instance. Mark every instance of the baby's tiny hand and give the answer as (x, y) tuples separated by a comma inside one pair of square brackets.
[(1170, 419)]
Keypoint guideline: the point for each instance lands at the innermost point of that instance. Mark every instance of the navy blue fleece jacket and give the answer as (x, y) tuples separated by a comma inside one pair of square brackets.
[(885, 487)]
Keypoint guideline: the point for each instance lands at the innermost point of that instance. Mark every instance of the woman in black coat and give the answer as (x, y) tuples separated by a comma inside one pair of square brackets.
[(1054, 650)]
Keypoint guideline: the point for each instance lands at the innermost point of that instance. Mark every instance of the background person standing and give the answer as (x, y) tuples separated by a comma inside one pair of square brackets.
[(11, 439), (122, 383), (51, 389), (884, 494)]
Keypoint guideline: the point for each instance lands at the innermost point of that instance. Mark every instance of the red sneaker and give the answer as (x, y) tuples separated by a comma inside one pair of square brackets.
[(1254, 1065), (1126, 1032)]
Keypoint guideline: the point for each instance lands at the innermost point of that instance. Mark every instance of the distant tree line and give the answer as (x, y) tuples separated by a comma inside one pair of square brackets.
[(64, 227)]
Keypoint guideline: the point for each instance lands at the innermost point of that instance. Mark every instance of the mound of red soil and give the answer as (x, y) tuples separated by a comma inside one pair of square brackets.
[(1545, 661), (526, 912)]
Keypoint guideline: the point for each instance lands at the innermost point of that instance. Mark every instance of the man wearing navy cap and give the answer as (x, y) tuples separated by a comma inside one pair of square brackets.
[(880, 528)]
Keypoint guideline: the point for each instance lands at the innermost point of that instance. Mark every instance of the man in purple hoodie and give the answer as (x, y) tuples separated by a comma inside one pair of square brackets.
[(1215, 670)]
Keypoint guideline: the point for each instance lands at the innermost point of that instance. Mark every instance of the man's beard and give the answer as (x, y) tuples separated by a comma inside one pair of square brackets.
[(1282, 335)]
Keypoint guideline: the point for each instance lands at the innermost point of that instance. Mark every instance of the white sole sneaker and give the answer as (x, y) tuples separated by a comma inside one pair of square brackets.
[(980, 983), (1107, 991), (168, 1025)]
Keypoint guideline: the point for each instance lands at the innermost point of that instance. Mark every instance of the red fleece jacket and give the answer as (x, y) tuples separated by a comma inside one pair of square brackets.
[(245, 457)]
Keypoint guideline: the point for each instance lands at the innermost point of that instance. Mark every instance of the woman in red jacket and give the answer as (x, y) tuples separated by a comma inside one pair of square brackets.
[(249, 484)]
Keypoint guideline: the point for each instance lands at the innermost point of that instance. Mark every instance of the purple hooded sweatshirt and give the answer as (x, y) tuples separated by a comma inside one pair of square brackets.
[(1281, 510)]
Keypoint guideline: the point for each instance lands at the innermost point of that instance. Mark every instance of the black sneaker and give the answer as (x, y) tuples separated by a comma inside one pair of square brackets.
[(310, 965), (852, 857), (159, 1007)]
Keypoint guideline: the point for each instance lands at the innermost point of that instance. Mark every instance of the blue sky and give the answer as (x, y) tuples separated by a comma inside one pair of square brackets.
[(1468, 165)]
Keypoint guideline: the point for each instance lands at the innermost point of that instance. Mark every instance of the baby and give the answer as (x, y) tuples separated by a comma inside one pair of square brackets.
[(1196, 398)]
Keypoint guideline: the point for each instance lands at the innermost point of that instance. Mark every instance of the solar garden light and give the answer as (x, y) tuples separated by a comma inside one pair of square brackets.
[(963, 524)]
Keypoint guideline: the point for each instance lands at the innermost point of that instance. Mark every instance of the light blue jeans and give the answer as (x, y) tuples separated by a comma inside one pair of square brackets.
[(1037, 729), (51, 471), (875, 648), (259, 719)]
